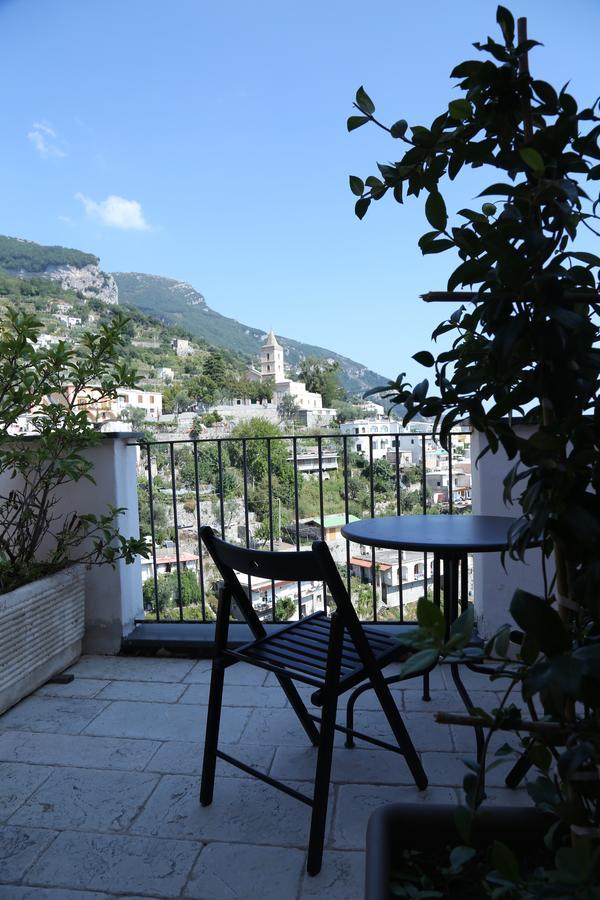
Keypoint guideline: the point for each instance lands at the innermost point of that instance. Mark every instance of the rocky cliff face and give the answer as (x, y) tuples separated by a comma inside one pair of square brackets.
[(89, 281)]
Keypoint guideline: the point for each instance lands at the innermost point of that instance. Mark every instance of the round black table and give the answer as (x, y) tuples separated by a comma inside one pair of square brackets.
[(449, 538)]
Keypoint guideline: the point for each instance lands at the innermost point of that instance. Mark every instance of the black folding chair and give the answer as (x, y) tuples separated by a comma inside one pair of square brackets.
[(331, 653)]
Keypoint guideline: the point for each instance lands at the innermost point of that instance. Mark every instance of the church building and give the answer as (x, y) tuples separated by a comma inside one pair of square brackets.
[(272, 369)]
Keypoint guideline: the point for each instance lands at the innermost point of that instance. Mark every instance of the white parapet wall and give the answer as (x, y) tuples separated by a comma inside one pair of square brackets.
[(495, 584), (113, 596)]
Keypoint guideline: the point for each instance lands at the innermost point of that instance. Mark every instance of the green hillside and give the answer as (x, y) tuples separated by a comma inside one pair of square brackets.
[(180, 304), (17, 254)]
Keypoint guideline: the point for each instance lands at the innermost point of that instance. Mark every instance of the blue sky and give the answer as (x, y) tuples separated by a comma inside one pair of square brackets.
[(218, 130)]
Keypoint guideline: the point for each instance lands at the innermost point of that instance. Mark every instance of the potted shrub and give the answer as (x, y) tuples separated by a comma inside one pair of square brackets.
[(525, 335), (44, 547)]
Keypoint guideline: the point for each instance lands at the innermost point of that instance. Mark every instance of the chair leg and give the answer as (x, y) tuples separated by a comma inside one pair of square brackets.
[(299, 707), (426, 694), (367, 686), (213, 721), (399, 729), (518, 771), (321, 790)]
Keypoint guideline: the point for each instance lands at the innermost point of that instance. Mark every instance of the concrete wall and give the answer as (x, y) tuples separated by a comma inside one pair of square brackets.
[(495, 585), (113, 596)]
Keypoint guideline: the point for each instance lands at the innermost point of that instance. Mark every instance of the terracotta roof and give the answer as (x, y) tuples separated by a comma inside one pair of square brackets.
[(363, 563)]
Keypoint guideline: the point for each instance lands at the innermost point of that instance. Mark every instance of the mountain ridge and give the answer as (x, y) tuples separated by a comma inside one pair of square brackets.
[(177, 302)]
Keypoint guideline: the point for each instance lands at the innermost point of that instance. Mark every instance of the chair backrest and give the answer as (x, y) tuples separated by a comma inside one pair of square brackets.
[(302, 565)]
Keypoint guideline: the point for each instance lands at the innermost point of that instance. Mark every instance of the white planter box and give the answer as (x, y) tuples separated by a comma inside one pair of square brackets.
[(41, 629)]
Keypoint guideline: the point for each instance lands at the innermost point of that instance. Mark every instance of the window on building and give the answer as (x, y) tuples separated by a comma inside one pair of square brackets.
[(140, 398), (152, 399)]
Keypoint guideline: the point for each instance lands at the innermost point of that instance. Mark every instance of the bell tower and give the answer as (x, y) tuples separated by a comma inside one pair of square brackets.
[(271, 359)]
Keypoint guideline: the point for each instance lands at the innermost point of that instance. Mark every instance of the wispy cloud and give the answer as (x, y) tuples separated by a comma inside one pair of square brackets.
[(115, 212), (45, 140)]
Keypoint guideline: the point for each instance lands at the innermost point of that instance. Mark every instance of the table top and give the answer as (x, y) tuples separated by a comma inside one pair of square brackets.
[(459, 533)]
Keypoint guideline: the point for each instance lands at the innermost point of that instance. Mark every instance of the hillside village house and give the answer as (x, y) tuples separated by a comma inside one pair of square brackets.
[(265, 593), (166, 562)]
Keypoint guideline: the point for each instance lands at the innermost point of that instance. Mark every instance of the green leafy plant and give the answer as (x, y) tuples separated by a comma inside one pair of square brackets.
[(55, 388), (524, 340)]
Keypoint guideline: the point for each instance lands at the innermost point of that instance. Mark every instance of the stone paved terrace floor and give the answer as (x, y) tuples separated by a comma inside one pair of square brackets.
[(99, 785)]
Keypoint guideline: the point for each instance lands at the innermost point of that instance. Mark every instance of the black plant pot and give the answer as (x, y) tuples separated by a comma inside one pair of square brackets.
[(422, 826)]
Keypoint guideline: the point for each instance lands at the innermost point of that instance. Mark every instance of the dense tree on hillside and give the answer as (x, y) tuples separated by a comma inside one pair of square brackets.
[(322, 377), (288, 409), (17, 254)]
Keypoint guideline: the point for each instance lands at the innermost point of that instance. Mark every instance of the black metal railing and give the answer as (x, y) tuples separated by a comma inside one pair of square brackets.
[(252, 491)]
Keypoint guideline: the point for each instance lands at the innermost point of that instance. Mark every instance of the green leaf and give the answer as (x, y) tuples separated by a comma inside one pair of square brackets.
[(356, 122), (418, 662), (532, 159), (463, 626), (430, 617), (435, 210), (364, 102), (460, 856), (424, 358), (356, 185), (540, 621), (460, 110), (546, 93), (505, 862), (505, 20), (398, 129), (361, 206)]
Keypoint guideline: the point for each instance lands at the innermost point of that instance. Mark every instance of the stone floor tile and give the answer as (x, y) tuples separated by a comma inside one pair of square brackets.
[(237, 695), (18, 781), (185, 758), (360, 765), (144, 691), (76, 750), (79, 687), (275, 728), (19, 848), (244, 810), (356, 802), (436, 678), (87, 799), (448, 701), (242, 871), (132, 668), (165, 721), (473, 680), (21, 892), (52, 714), (503, 796), (241, 673), (425, 733), (342, 877), (450, 769), (116, 864)]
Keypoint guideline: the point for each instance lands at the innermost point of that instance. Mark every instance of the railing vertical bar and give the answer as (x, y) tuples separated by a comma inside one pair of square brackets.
[(176, 527), (221, 497), (424, 502), (450, 488), (321, 505), (270, 481), (198, 526), (464, 583), (152, 532), (246, 516), (297, 514), (372, 501), (346, 511), (399, 513)]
